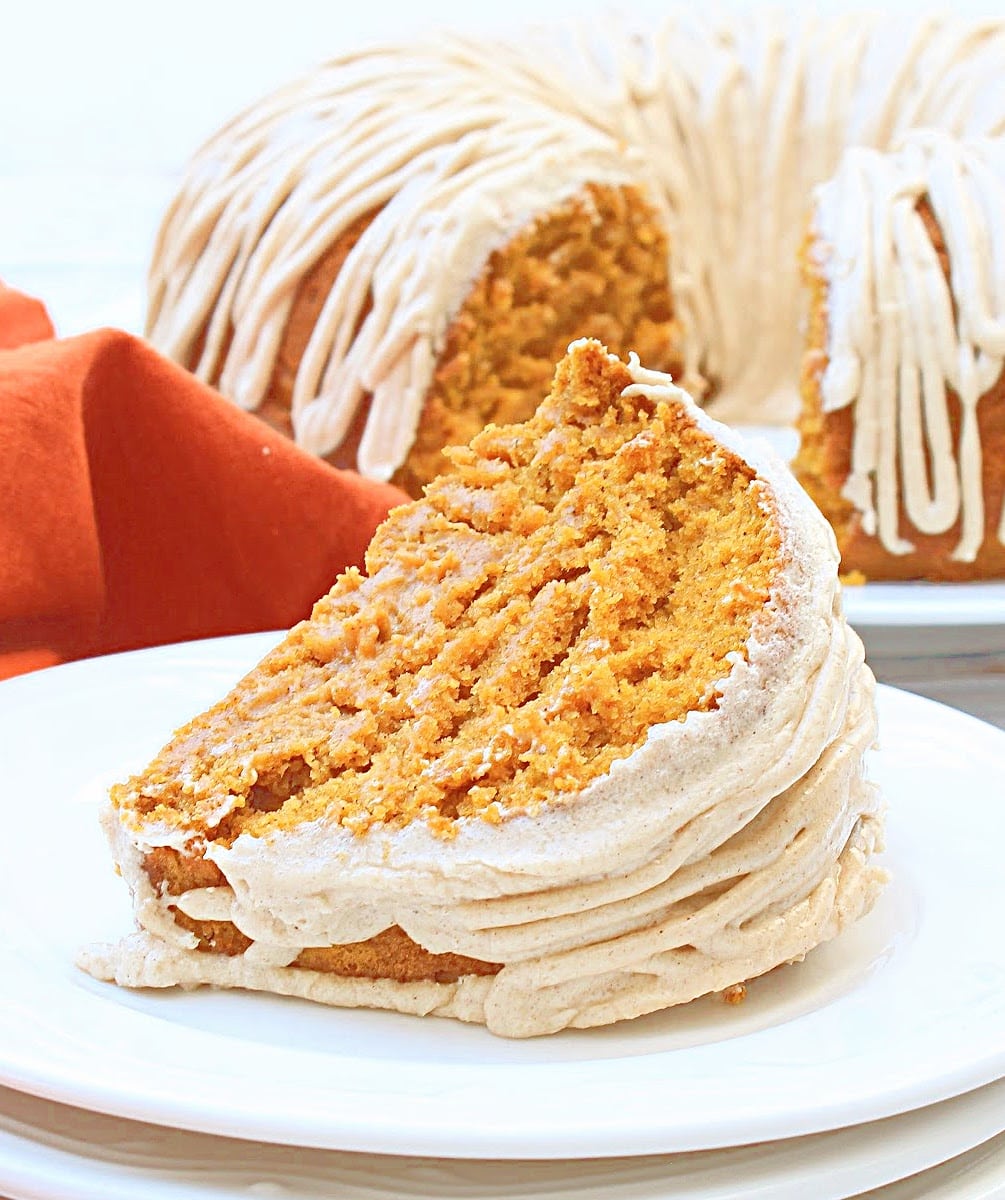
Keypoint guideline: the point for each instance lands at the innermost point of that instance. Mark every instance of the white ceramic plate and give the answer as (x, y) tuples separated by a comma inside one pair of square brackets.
[(51, 1152), (979, 1175), (936, 607), (926, 605), (944, 641), (906, 1009)]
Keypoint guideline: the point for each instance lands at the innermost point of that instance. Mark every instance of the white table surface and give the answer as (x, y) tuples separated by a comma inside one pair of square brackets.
[(101, 104)]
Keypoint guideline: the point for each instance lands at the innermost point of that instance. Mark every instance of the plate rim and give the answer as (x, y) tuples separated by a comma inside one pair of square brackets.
[(850, 1153), (424, 1136)]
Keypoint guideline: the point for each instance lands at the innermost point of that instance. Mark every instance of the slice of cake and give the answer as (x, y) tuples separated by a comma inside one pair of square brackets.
[(586, 741)]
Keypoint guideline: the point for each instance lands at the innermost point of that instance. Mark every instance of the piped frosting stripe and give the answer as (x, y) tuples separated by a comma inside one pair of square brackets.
[(903, 337)]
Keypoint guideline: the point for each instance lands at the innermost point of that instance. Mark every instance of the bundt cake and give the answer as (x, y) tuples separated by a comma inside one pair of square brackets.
[(389, 253), (584, 742)]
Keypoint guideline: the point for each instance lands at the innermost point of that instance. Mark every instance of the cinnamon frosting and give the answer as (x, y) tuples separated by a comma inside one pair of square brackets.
[(728, 843)]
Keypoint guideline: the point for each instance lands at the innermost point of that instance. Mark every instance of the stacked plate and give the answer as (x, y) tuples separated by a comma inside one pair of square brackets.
[(944, 641), (876, 1067)]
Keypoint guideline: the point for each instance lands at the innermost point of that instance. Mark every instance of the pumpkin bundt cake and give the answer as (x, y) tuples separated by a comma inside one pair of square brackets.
[(389, 253), (585, 741)]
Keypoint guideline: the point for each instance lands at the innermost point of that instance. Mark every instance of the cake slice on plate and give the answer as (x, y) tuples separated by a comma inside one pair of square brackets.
[(584, 742)]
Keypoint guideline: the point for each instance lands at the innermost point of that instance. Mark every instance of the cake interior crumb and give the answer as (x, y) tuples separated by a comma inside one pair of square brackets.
[(577, 579)]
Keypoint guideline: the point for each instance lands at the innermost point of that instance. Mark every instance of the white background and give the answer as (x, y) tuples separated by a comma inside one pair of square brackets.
[(101, 103)]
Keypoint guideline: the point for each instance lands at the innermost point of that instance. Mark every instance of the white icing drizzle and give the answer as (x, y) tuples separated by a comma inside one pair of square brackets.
[(379, 130), (901, 336), (725, 124), (728, 843)]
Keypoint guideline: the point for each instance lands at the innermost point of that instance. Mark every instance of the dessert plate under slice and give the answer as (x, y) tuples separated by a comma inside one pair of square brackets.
[(906, 1009), (52, 1152)]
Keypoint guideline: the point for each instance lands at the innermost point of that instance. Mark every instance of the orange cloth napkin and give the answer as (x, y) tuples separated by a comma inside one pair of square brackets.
[(139, 507)]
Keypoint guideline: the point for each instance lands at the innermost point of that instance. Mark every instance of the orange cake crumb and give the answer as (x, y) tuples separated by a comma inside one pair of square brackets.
[(598, 262), (577, 580)]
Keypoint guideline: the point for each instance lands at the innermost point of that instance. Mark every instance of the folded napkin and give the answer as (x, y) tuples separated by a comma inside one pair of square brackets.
[(139, 507)]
